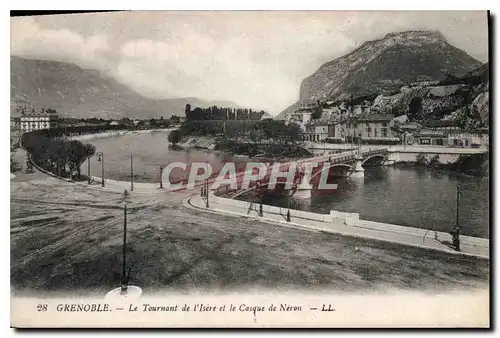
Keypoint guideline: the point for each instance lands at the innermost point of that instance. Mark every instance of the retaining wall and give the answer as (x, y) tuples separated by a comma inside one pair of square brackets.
[(335, 217)]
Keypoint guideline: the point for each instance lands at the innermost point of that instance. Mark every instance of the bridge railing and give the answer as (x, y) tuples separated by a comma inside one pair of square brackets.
[(352, 157), (374, 152)]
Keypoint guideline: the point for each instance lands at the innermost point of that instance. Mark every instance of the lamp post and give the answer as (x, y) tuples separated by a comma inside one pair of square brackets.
[(359, 144), (125, 276), (261, 213), (288, 218), (351, 133), (206, 193), (455, 233), (458, 205), (124, 292), (100, 158), (88, 169), (131, 173)]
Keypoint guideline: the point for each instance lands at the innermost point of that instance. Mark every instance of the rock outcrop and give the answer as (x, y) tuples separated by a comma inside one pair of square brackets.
[(386, 65)]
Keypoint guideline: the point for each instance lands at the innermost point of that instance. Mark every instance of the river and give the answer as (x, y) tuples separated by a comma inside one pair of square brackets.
[(409, 197)]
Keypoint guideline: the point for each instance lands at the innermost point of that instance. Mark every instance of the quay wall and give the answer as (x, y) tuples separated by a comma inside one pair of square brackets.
[(253, 209), (348, 224)]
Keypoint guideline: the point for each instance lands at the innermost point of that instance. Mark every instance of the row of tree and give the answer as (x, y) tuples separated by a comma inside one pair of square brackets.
[(257, 131), (222, 113), (60, 156)]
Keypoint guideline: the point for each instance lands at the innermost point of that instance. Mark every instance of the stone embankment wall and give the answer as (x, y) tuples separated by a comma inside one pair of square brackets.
[(335, 218)]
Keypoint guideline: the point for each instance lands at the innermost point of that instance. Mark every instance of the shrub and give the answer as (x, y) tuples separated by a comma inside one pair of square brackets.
[(421, 159)]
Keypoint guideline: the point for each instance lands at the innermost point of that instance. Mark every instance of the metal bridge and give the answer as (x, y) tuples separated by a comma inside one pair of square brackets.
[(352, 160)]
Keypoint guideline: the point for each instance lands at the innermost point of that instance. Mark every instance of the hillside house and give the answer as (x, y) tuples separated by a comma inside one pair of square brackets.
[(301, 117), (317, 132), (375, 127), (340, 129)]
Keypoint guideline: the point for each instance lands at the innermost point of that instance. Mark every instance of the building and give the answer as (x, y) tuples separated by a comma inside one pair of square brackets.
[(36, 120), (430, 137), (301, 116), (374, 127), (340, 129), (447, 133), (468, 139), (317, 132)]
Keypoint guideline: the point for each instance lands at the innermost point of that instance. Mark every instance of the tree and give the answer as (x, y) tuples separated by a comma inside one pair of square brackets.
[(316, 115), (415, 107), (174, 136)]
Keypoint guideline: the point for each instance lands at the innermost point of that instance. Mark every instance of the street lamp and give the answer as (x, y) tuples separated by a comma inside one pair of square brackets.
[(161, 176), (125, 290), (125, 275), (260, 192), (455, 233), (288, 218), (88, 168), (100, 158), (206, 193)]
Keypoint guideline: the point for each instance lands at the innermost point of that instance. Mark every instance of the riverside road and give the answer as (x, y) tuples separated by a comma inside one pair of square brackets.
[(67, 236)]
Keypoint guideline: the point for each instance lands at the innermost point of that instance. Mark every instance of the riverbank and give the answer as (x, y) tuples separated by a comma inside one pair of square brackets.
[(63, 233), (265, 152), (108, 134)]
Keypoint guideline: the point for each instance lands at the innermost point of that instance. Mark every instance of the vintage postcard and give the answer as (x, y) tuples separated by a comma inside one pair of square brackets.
[(250, 169)]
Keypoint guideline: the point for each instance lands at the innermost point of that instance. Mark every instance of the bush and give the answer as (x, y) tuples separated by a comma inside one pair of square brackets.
[(421, 159), (333, 140), (434, 162), (14, 166)]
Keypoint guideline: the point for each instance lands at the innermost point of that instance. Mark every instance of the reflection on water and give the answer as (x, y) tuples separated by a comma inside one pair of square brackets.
[(150, 151), (411, 197)]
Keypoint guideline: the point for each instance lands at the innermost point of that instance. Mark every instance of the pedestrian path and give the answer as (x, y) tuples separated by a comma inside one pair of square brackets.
[(415, 237)]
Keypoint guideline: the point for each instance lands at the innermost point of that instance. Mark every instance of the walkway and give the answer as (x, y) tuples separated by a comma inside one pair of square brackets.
[(421, 238)]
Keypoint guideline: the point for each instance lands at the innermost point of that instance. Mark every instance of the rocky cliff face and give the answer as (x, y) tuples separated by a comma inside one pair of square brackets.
[(444, 99), (385, 65)]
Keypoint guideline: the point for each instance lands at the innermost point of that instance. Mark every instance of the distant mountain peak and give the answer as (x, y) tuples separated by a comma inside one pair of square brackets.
[(391, 61), (417, 34)]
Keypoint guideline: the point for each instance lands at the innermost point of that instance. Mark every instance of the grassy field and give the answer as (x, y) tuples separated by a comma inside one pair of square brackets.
[(68, 237)]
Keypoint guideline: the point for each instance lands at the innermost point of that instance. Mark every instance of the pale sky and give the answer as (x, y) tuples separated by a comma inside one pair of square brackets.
[(255, 59)]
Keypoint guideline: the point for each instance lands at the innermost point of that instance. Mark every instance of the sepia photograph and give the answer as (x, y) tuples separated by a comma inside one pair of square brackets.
[(250, 169)]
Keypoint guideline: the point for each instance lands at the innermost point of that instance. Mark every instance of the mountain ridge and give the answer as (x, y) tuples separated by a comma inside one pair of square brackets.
[(80, 92), (384, 65)]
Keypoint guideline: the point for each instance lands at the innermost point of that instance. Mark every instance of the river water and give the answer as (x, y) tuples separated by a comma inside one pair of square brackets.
[(409, 197)]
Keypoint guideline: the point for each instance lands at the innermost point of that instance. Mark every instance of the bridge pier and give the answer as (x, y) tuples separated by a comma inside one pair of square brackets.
[(392, 157), (359, 171)]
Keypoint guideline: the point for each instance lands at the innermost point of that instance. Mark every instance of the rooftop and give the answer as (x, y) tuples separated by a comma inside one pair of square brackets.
[(441, 123), (376, 117)]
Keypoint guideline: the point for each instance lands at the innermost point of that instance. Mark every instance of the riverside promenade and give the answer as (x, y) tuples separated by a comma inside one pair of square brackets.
[(346, 225)]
